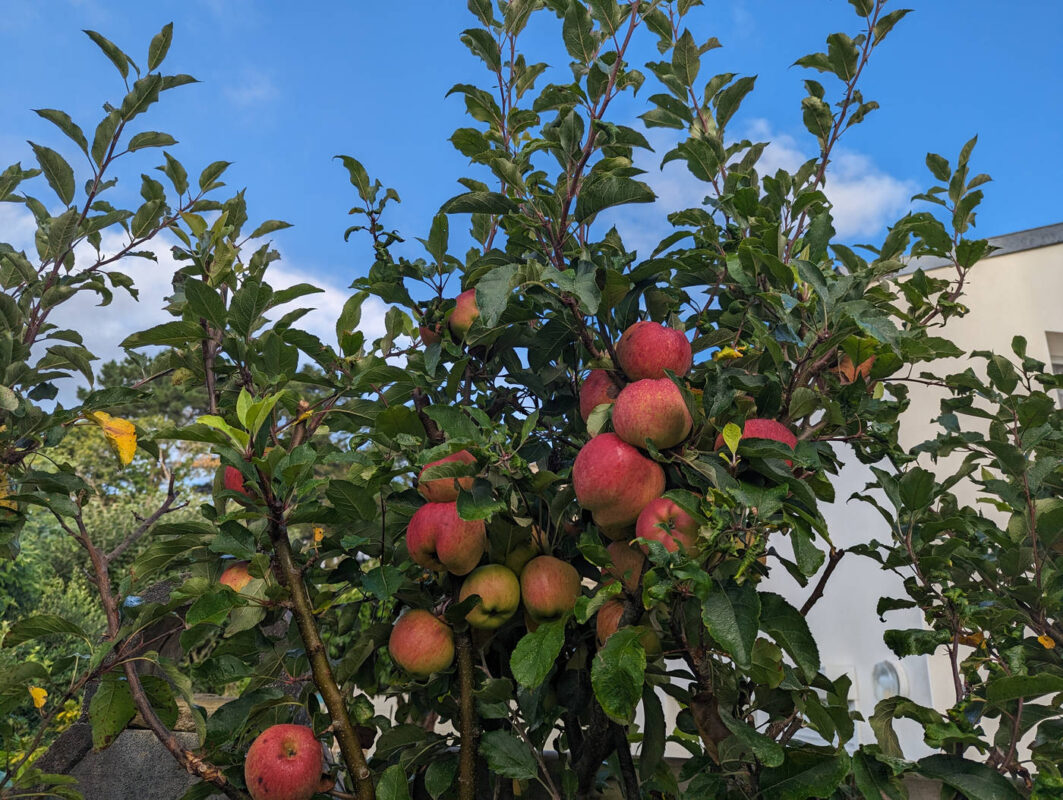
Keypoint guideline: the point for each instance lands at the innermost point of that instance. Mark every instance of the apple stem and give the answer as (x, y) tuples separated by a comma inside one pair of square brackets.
[(467, 756), (350, 747)]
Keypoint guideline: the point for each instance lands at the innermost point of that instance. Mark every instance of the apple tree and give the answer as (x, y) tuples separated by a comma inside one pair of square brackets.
[(545, 501)]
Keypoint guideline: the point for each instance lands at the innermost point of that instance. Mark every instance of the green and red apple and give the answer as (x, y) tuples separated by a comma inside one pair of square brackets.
[(662, 520), (464, 314), (499, 591), (549, 588), (647, 349), (445, 490), (236, 576), (438, 539), (421, 643), (626, 565), (284, 763), (653, 409), (598, 389), (614, 481), (771, 429)]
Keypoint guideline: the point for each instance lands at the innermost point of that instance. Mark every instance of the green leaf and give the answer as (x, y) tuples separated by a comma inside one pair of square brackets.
[(209, 176), (382, 582), (767, 750), (788, 628), (150, 139), (269, 226), (732, 435), (8, 399), (732, 616), (508, 756), (478, 203), (210, 608), (440, 775), (480, 503), (818, 119), (804, 775), (607, 191), (59, 174), (686, 59), (874, 779), (173, 334), (1013, 687), (110, 710), (249, 303), (914, 641), (975, 781), (35, 627), (493, 291), (536, 653), (917, 486), (160, 46), (393, 784), (731, 98), (144, 92), (205, 301), (886, 23), (618, 673), (578, 33), (120, 60), (101, 141), (63, 121)]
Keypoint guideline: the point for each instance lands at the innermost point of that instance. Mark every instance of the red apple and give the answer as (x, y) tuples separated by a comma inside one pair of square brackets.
[(437, 538), (234, 481), (598, 389), (430, 334), (665, 522), (465, 311), (758, 428), (626, 566), (445, 490), (615, 481), (550, 588), (647, 349), (284, 763), (421, 643), (607, 622), (653, 409), (499, 592), (236, 576)]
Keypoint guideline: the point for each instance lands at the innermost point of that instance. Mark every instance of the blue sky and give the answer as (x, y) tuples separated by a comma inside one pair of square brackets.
[(286, 86)]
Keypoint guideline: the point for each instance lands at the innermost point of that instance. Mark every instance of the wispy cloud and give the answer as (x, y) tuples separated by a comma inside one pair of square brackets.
[(253, 87), (864, 198)]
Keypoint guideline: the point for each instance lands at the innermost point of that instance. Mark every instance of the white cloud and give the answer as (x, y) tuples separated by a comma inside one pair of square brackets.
[(104, 328), (252, 88), (865, 199)]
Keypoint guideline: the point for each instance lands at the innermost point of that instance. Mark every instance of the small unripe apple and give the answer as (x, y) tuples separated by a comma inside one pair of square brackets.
[(445, 490), (499, 592), (236, 576), (647, 349), (626, 566), (598, 389), (653, 409), (421, 643), (465, 311), (284, 763), (549, 587), (607, 622), (234, 481), (520, 555), (665, 522), (437, 538), (615, 481), (758, 428)]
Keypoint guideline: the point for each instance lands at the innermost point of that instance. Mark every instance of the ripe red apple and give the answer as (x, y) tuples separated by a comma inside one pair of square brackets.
[(234, 481), (626, 566), (599, 388), (499, 592), (437, 538), (465, 311), (615, 481), (550, 588), (445, 490), (607, 622), (236, 576), (284, 763), (430, 334), (421, 643), (758, 428), (647, 349), (653, 409), (665, 522)]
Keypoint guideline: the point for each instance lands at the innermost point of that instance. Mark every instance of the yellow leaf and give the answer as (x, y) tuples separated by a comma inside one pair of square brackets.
[(728, 353), (4, 492), (319, 534), (1047, 642), (39, 696), (121, 434)]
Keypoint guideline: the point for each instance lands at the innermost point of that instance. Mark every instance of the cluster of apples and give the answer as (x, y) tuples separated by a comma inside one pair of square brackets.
[(438, 539)]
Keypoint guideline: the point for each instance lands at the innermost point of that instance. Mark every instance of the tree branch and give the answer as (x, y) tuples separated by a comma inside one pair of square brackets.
[(467, 755)]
